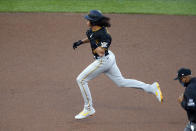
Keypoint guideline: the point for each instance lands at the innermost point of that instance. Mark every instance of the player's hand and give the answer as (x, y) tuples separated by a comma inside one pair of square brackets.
[(76, 44), (180, 98), (100, 51)]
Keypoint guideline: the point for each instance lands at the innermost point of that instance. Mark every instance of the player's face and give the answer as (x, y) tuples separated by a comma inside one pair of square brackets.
[(88, 23), (183, 79)]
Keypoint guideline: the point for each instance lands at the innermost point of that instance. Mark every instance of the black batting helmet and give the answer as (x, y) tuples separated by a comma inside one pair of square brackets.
[(94, 16)]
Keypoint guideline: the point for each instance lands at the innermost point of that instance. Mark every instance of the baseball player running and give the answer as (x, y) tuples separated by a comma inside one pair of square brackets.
[(105, 62)]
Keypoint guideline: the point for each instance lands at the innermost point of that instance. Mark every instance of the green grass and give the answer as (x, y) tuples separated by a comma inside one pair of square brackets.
[(173, 7)]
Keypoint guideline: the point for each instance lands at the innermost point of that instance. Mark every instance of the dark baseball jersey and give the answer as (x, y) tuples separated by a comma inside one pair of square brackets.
[(189, 100), (98, 38)]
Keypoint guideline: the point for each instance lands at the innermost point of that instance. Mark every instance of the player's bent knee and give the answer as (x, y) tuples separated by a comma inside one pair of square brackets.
[(79, 79)]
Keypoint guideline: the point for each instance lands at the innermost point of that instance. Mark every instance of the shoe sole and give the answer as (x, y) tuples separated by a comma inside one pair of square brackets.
[(85, 117), (161, 95)]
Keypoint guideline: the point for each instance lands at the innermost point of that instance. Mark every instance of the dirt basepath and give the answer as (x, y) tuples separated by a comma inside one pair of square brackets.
[(38, 68)]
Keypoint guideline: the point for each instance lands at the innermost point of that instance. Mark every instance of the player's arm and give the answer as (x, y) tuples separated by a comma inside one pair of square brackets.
[(86, 40), (103, 45), (78, 43), (100, 51)]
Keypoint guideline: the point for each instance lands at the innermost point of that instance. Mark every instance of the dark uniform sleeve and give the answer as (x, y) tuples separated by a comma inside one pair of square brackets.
[(100, 38), (189, 100), (104, 41), (91, 37)]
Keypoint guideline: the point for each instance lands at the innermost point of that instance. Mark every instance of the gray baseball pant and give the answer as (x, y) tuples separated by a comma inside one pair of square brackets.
[(107, 65)]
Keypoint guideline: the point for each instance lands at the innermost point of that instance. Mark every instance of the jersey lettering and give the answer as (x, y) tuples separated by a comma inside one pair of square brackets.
[(191, 102)]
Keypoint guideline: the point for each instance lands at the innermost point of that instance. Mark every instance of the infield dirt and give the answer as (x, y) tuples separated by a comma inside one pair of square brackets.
[(38, 70)]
